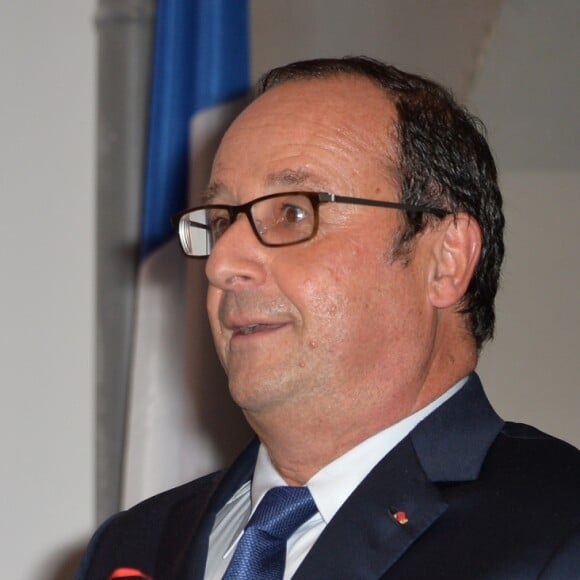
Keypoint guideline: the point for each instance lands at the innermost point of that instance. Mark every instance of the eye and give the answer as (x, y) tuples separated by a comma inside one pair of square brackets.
[(219, 221), (293, 214)]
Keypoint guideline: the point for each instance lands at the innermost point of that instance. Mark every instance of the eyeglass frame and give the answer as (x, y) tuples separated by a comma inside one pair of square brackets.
[(316, 198)]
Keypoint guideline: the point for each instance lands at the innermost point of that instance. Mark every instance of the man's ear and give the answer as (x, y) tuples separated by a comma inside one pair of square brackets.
[(455, 256)]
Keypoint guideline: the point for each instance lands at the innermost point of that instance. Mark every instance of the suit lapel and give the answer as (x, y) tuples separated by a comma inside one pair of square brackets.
[(363, 540), (452, 442)]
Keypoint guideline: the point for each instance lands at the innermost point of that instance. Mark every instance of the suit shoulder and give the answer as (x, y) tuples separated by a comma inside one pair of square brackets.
[(523, 431), (527, 451), (527, 437)]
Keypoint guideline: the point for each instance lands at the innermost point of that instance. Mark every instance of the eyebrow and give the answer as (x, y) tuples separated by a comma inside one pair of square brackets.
[(292, 177), (211, 192), (283, 178)]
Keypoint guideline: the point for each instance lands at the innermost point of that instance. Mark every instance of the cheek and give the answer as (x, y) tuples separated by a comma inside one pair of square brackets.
[(331, 304), (365, 306), (212, 304)]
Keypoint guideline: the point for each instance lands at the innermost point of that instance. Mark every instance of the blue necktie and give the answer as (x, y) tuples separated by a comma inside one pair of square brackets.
[(261, 551)]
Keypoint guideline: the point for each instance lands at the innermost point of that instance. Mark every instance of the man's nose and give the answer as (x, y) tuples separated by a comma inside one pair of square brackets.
[(238, 257)]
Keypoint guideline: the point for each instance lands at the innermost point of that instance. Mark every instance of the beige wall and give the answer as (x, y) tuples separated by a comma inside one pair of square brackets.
[(531, 368), (46, 293)]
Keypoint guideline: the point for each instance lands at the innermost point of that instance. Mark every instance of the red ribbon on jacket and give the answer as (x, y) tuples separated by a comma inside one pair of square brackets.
[(129, 574)]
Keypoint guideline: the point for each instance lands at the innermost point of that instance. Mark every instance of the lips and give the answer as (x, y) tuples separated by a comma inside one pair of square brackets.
[(254, 327)]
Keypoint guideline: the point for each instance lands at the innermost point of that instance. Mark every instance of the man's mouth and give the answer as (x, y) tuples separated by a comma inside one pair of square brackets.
[(248, 329)]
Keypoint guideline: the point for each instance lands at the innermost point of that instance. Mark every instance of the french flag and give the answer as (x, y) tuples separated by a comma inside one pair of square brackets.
[(181, 423)]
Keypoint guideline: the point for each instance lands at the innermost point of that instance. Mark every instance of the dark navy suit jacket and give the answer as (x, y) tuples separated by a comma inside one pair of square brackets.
[(484, 499)]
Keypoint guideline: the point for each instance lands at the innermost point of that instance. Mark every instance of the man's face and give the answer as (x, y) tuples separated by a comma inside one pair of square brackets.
[(331, 325)]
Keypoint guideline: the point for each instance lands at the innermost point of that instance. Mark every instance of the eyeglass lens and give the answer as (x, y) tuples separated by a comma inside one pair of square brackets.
[(277, 221)]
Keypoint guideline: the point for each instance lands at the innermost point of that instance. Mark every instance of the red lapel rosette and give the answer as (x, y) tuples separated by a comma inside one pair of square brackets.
[(128, 574)]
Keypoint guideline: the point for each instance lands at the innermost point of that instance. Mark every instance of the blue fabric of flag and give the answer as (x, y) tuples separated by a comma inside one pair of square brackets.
[(201, 59)]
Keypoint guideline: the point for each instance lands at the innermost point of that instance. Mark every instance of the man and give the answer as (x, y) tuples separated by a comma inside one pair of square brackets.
[(353, 243)]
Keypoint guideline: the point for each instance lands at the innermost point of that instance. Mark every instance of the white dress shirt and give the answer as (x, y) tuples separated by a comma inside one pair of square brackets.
[(330, 487)]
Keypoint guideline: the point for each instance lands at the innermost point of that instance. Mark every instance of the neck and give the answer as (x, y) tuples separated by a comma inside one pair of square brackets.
[(303, 438)]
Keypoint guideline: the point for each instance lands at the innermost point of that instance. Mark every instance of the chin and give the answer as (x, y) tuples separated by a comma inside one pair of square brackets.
[(257, 396)]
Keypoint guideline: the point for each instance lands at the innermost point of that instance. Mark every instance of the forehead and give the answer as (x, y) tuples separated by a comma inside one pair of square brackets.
[(308, 131)]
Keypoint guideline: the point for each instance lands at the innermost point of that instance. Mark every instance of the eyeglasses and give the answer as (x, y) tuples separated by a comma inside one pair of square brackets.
[(279, 219)]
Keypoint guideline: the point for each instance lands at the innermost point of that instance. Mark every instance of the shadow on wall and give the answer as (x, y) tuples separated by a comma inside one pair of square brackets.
[(64, 564)]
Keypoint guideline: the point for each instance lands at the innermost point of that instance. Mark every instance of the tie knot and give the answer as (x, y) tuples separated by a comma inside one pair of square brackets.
[(283, 510)]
